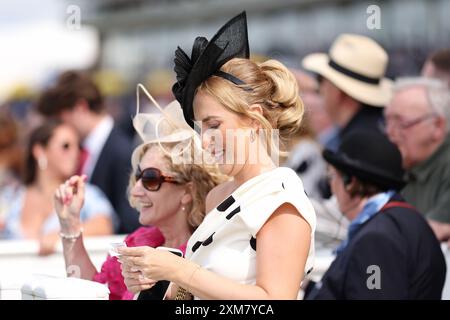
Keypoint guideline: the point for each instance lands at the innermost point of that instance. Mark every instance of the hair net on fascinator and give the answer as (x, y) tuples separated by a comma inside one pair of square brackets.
[(166, 127)]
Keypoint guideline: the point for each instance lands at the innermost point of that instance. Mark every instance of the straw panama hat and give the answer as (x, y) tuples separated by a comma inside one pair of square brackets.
[(355, 64)]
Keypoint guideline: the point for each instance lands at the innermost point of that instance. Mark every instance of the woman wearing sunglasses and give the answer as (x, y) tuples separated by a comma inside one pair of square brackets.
[(51, 157), (169, 196), (257, 240)]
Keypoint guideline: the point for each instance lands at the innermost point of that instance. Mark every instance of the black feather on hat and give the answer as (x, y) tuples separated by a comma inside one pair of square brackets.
[(231, 41)]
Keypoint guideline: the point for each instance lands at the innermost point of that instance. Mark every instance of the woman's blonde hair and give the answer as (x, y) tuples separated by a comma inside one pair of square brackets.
[(203, 177), (269, 84)]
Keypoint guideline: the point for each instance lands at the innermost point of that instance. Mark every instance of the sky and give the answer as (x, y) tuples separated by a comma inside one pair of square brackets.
[(38, 39)]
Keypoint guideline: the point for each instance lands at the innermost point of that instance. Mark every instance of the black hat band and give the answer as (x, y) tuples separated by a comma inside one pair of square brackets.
[(352, 74)]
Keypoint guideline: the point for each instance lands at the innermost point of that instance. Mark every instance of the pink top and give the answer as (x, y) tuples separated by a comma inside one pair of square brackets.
[(111, 272)]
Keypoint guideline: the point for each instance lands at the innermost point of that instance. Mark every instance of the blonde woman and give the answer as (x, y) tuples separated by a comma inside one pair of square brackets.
[(169, 197), (256, 241)]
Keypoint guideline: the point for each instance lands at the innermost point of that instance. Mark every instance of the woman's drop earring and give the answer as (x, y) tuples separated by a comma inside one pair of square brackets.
[(42, 163), (252, 136)]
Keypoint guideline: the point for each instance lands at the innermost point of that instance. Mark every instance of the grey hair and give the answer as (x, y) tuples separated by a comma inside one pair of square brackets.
[(437, 92)]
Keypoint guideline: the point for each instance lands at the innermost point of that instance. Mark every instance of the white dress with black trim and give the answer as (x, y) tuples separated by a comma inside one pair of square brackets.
[(225, 242)]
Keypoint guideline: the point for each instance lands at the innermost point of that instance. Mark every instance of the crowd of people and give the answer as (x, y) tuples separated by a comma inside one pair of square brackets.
[(250, 169)]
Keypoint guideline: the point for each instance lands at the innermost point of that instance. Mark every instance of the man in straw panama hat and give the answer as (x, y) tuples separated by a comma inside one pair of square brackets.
[(352, 83)]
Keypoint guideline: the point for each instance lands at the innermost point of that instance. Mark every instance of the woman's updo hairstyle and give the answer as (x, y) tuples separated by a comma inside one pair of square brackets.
[(269, 84)]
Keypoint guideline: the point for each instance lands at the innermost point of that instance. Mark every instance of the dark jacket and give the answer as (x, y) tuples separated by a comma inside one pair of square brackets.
[(398, 245), (366, 119), (111, 174)]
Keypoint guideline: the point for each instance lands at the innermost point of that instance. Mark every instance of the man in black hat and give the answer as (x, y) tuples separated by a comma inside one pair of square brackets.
[(390, 251), (354, 90)]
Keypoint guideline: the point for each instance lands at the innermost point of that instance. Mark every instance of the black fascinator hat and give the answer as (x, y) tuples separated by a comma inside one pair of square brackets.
[(207, 57), (371, 157)]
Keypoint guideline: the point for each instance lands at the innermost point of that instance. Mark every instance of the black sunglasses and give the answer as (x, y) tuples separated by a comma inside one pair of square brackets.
[(152, 178)]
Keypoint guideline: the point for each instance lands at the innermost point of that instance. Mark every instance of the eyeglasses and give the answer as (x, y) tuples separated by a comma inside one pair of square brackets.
[(405, 124), (152, 178)]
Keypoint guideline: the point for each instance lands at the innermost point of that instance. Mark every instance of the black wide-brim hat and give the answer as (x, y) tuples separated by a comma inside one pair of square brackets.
[(207, 57), (370, 157)]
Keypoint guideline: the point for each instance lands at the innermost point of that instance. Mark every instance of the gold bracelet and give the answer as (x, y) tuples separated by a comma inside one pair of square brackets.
[(182, 292)]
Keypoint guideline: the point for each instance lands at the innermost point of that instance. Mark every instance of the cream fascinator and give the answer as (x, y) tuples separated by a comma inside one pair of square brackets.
[(167, 128)]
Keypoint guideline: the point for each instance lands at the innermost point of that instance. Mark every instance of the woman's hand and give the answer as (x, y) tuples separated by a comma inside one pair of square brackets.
[(135, 281), (68, 201), (149, 262)]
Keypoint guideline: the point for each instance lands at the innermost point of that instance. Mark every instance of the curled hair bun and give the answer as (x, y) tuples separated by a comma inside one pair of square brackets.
[(284, 85), (284, 94), (270, 84)]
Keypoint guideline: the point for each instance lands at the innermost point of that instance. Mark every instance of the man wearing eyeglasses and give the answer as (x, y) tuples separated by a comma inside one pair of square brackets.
[(417, 121)]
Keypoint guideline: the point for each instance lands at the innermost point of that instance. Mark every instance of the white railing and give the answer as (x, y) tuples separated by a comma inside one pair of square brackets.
[(19, 261)]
